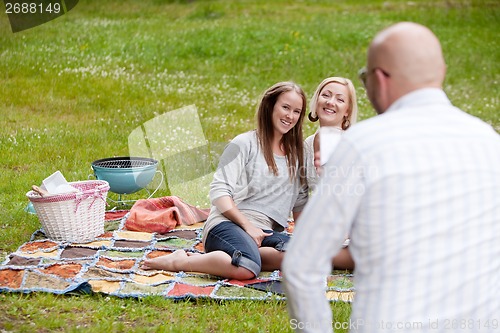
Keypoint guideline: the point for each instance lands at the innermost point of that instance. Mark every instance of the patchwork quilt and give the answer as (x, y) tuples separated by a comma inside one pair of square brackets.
[(111, 265)]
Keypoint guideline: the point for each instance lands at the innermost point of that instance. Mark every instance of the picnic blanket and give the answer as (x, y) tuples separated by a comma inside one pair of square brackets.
[(111, 265)]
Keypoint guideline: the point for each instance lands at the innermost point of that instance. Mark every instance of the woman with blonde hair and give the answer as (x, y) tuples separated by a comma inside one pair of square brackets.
[(255, 187), (334, 105)]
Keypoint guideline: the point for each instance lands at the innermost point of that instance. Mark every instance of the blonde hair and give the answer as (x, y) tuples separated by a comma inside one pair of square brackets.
[(292, 140), (352, 110)]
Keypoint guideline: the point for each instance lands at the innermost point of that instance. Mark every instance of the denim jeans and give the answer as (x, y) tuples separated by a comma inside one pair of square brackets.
[(233, 240)]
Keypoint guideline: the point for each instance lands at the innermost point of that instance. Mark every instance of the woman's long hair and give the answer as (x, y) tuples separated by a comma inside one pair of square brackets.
[(292, 140)]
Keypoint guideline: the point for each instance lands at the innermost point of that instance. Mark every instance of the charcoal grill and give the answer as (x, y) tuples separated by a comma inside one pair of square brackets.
[(126, 174)]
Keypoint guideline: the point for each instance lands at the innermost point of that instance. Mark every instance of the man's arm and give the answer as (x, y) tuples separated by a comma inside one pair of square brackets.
[(318, 237)]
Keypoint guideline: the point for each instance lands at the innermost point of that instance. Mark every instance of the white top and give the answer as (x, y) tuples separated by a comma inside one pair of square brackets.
[(418, 190), (311, 174), (264, 198), (329, 138)]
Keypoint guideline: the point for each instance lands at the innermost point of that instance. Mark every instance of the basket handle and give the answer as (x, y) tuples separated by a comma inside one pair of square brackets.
[(97, 194), (40, 191)]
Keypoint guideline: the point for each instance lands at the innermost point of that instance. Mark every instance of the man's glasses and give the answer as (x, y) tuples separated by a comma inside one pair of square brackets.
[(363, 74)]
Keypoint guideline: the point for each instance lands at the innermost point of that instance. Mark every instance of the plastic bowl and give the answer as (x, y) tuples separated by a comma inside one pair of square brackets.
[(125, 174)]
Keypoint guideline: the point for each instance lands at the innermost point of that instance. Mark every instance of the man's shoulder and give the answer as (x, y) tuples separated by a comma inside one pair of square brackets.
[(419, 123), (365, 127)]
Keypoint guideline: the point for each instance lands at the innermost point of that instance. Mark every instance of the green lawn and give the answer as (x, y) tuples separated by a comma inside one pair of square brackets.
[(73, 90)]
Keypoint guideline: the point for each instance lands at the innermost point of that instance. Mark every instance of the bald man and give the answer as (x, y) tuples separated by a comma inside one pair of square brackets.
[(417, 188), (401, 59)]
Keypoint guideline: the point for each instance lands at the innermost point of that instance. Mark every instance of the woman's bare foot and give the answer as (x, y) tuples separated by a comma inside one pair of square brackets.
[(169, 262)]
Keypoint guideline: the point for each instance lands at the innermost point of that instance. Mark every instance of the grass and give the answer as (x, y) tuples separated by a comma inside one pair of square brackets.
[(73, 90), (44, 313)]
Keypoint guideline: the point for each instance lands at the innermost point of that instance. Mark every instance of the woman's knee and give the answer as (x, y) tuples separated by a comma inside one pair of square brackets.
[(241, 273)]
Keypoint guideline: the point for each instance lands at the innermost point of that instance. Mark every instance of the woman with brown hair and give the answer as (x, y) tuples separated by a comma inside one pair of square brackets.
[(257, 184)]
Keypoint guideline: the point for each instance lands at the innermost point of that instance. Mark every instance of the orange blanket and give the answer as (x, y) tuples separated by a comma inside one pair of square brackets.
[(163, 214)]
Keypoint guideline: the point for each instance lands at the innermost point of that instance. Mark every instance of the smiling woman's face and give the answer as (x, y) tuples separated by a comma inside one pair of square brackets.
[(286, 112), (333, 103)]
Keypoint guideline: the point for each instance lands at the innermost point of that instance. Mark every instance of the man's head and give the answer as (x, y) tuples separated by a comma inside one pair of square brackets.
[(402, 58)]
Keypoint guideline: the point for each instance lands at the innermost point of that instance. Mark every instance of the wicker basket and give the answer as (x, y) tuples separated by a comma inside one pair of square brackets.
[(73, 217)]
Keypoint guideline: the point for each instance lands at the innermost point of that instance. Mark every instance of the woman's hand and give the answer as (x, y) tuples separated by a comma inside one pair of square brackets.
[(227, 207), (257, 234), (317, 162)]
